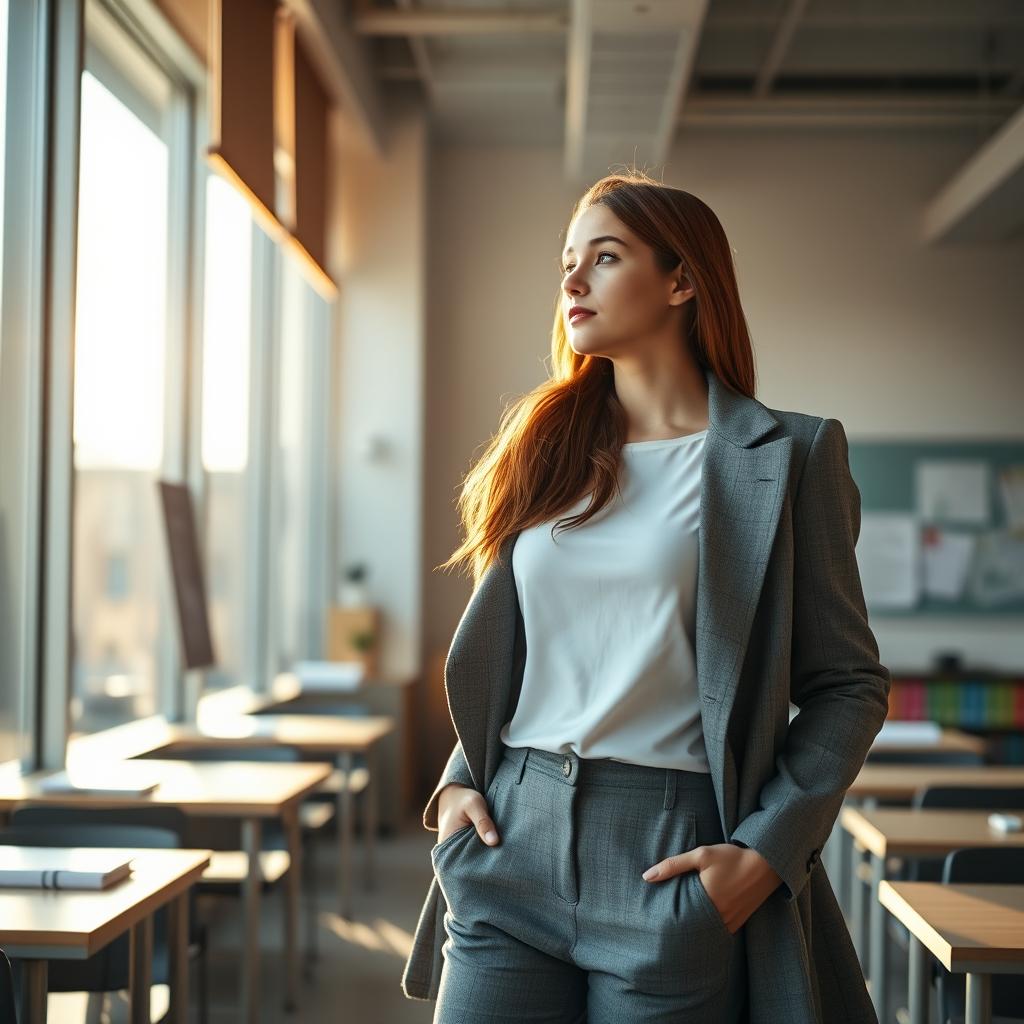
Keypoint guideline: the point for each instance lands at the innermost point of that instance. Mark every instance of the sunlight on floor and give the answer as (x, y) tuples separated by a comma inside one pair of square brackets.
[(380, 936)]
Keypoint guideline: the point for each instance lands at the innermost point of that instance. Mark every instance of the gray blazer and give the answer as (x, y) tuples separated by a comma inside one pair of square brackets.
[(780, 617)]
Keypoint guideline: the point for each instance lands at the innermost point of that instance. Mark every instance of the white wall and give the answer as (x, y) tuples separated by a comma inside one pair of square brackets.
[(381, 334), (851, 315)]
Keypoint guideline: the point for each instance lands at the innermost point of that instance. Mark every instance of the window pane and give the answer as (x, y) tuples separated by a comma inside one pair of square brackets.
[(225, 432), (120, 351), (12, 682), (291, 538)]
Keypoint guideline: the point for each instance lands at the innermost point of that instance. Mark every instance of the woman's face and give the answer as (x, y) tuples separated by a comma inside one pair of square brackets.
[(607, 269)]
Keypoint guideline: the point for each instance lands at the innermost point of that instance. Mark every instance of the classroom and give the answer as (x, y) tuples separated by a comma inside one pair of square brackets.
[(511, 510)]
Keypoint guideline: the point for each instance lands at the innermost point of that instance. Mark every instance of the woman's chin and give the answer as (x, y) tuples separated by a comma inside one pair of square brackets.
[(584, 346)]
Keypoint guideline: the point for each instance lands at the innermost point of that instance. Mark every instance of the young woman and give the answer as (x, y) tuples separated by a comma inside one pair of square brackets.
[(629, 825)]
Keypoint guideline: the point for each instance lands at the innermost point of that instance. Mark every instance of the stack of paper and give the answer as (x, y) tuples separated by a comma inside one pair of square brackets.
[(330, 675)]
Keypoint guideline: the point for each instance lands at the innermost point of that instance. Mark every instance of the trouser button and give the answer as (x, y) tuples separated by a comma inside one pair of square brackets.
[(567, 767)]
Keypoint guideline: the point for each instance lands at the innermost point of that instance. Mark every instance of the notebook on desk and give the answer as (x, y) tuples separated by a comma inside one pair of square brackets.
[(97, 784), (31, 867), (908, 733)]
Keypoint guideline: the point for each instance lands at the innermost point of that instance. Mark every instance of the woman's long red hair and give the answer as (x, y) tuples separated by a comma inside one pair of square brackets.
[(563, 439)]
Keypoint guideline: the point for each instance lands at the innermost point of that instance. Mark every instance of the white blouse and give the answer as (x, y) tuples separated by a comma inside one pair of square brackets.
[(609, 611)]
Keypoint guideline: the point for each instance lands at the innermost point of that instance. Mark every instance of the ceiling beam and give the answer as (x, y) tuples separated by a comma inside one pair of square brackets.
[(628, 68), (778, 47), (843, 111), (410, 22), (421, 59), (340, 58), (984, 200)]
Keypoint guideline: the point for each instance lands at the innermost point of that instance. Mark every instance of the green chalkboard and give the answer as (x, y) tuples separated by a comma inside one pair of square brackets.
[(886, 475)]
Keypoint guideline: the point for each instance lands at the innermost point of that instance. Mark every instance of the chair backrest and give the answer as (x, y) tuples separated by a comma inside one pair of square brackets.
[(996, 865), (170, 818), (141, 836), (343, 709), (8, 1011), (993, 865), (271, 752), (962, 798), (978, 798)]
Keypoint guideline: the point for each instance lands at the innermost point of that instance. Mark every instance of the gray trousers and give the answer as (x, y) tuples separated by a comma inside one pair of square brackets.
[(555, 924)]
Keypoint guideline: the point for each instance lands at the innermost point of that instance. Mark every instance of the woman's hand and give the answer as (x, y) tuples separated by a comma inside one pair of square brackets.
[(737, 879), (459, 805)]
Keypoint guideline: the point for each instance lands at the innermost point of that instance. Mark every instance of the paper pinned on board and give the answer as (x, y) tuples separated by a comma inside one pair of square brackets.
[(953, 491), (888, 556), (946, 561), (997, 574)]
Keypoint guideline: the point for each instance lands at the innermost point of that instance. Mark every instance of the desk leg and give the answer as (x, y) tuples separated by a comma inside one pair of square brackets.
[(293, 895), (858, 890), (33, 996), (370, 817), (844, 867), (979, 998), (140, 966), (253, 890), (830, 862), (345, 837), (844, 864), (879, 942), (177, 942), (920, 982)]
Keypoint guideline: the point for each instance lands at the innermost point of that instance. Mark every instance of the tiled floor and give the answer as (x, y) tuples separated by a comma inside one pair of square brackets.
[(358, 974)]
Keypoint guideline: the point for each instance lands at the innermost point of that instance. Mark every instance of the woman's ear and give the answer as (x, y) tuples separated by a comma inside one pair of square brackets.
[(682, 290)]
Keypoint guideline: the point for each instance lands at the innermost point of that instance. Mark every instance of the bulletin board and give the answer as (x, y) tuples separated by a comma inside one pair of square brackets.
[(942, 526)]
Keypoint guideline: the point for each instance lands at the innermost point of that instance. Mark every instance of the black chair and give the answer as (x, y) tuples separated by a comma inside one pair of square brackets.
[(226, 834), (945, 797), (995, 865), (959, 798), (327, 709), (139, 827), (8, 1012)]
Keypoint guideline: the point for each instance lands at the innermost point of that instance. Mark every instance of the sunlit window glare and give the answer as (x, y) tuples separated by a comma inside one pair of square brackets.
[(120, 312), (226, 329)]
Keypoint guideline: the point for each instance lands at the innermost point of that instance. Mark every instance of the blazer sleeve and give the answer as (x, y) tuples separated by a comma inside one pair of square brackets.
[(836, 680), (456, 770)]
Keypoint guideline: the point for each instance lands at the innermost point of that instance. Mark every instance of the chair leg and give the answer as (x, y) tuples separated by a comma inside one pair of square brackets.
[(202, 989), (309, 884)]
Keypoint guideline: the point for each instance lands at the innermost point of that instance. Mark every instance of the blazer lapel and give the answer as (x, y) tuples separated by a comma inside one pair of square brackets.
[(743, 485)]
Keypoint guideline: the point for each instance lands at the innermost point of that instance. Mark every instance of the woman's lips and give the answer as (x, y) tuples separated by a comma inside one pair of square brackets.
[(580, 317)]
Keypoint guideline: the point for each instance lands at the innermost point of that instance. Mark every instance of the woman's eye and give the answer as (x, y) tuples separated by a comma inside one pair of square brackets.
[(570, 266)]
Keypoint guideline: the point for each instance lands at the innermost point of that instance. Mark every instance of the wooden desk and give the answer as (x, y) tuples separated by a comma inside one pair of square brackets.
[(902, 832), (948, 741), (902, 781), (319, 735), (246, 790), (977, 930), (39, 925)]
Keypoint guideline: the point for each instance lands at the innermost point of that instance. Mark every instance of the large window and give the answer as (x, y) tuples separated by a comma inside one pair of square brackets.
[(119, 617), (226, 450), (298, 533)]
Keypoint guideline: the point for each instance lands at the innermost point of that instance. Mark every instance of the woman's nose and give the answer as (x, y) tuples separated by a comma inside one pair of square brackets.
[(574, 285)]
